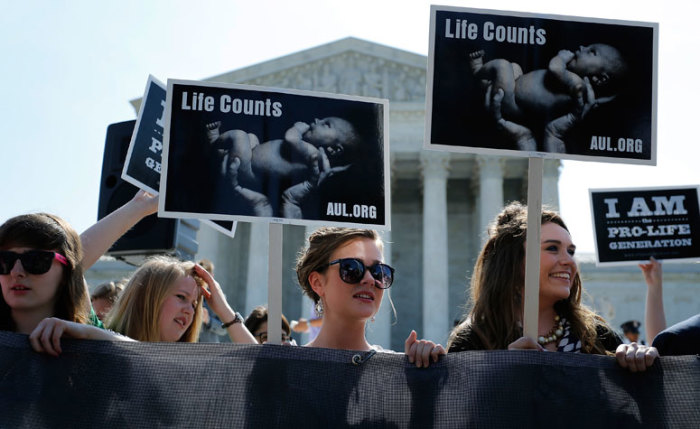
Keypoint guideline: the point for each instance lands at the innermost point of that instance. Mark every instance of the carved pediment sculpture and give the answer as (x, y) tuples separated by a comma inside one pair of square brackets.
[(347, 66)]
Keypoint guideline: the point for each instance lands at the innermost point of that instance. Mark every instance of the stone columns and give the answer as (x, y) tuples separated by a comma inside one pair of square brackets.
[(550, 183), (307, 304), (434, 169), (379, 331), (490, 190), (256, 286)]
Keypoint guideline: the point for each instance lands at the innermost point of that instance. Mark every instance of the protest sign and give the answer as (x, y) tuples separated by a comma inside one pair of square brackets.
[(634, 224), (223, 226), (142, 166), (521, 84), (236, 152)]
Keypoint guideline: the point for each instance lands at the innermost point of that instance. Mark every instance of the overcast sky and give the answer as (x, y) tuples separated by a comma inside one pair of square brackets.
[(71, 67)]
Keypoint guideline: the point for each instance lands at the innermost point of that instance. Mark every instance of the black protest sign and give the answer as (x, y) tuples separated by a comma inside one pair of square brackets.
[(236, 152), (632, 225), (520, 84), (142, 166)]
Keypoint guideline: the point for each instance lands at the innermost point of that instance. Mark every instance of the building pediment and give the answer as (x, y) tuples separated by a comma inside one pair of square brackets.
[(347, 66)]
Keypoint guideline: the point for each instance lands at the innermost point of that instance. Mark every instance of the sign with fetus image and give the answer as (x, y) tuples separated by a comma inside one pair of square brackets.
[(521, 84), (634, 224), (236, 152)]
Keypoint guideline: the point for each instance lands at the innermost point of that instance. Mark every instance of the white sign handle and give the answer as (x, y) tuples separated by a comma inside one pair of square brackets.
[(532, 249), (274, 285)]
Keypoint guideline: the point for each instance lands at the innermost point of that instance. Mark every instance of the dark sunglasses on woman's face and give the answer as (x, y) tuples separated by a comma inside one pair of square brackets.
[(352, 270), (33, 261)]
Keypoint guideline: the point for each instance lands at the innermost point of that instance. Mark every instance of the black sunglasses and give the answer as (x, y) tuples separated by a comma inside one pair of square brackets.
[(33, 261), (352, 270)]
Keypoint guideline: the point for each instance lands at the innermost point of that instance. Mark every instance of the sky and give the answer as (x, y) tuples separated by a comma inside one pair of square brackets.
[(70, 68)]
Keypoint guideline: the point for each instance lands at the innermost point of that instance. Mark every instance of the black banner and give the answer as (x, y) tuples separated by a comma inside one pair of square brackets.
[(118, 385)]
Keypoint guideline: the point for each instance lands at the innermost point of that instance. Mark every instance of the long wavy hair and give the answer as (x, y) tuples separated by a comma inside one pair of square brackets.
[(137, 312), (498, 281), (45, 231)]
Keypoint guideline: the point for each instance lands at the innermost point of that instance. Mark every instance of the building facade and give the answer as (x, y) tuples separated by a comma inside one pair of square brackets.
[(441, 202)]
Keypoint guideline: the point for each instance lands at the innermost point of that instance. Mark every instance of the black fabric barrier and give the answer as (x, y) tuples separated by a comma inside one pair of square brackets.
[(116, 385)]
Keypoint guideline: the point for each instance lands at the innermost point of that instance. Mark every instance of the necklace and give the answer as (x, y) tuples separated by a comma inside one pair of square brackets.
[(554, 334)]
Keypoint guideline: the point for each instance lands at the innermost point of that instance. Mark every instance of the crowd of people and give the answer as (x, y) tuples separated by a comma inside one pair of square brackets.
[(342, 270)]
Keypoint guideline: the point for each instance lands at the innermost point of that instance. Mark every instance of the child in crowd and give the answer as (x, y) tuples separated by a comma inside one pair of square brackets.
[(163, 302)]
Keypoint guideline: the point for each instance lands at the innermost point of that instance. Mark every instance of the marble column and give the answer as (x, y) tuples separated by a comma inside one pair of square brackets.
[(550, 183), (307, 304), (490, 191), (379, 331), (434, 169), (256, 286)]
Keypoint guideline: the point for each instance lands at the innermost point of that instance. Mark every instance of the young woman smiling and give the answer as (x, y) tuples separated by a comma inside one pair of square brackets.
[(564, 323)]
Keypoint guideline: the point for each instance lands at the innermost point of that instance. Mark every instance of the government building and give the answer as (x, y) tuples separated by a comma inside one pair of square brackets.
[(441, 203)]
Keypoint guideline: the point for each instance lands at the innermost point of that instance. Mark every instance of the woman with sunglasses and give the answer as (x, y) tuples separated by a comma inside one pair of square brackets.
[(342, 271), (42, 260), (564, 324), (40, 273)]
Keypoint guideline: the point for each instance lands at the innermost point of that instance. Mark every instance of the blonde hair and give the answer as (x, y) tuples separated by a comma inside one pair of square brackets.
[(207, 265), (137, 312)]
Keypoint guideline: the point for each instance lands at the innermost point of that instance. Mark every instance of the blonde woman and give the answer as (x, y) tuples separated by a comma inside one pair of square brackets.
[(162, 302)]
